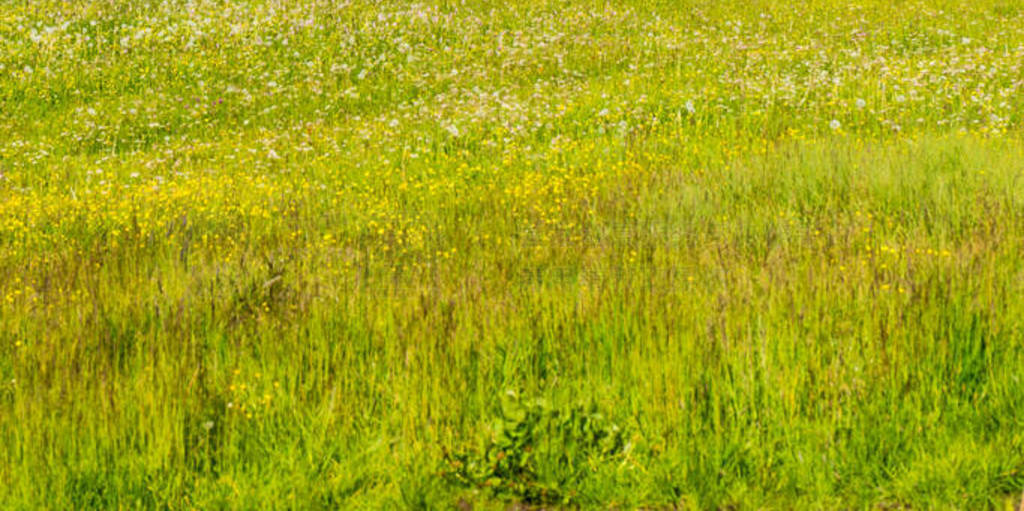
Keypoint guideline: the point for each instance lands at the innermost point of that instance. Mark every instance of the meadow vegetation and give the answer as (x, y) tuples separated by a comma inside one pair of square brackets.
[(382, 254)]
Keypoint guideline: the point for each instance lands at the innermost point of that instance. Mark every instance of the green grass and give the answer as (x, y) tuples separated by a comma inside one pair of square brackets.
[(566, 254)]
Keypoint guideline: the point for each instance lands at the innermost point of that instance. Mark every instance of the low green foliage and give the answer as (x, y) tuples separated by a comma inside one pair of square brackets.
[(538, 453)]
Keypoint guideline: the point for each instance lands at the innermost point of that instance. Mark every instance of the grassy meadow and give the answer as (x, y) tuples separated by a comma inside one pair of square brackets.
[(464, 254)]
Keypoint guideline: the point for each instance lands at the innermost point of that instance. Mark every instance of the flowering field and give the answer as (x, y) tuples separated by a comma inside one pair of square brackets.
[(469, 254)]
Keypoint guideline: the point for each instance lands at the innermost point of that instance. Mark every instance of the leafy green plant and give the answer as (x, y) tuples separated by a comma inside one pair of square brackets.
[(537, 452)]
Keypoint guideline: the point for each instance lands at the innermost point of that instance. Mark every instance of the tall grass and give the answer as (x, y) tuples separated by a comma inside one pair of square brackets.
[(257, 255)]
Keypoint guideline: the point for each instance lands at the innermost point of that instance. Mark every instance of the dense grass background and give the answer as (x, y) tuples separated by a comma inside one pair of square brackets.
[(389, 255)]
